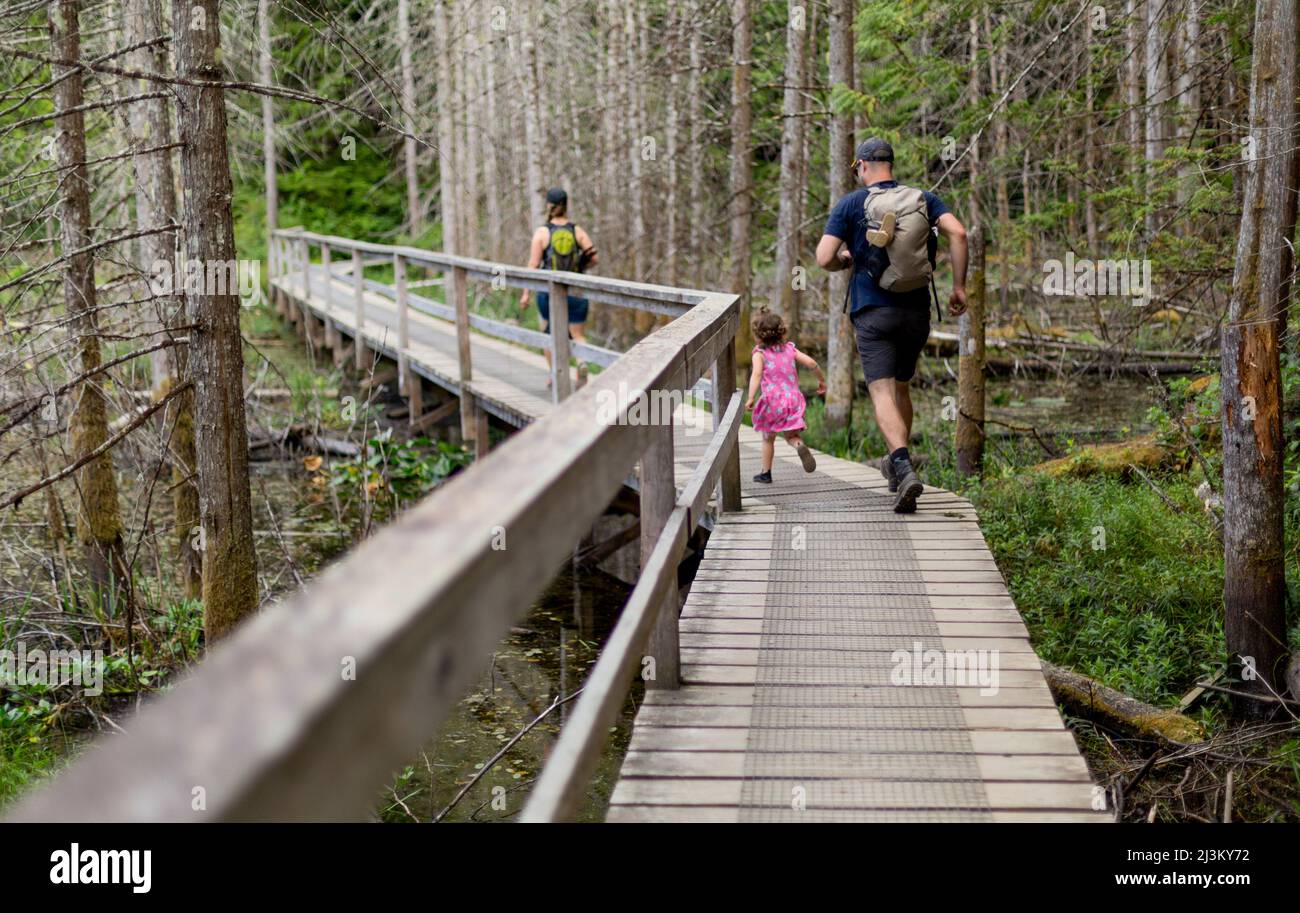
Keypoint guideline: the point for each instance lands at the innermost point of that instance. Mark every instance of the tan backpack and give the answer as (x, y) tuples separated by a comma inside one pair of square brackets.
[(898, 222)]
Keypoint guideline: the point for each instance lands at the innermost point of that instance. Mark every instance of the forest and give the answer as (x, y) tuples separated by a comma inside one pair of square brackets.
[(188, 445)]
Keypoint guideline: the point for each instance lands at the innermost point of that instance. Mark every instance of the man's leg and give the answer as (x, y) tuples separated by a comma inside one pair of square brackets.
[(894, 421), (903, 396)]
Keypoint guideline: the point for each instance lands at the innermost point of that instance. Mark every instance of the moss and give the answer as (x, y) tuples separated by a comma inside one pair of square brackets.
[(1116, 459)]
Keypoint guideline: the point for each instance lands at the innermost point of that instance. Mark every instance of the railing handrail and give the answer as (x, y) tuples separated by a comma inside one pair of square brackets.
[(307, 709), (604, 288)]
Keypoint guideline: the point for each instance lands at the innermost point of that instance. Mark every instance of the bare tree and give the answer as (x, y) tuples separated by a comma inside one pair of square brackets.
[(99, 523), (784, 299), (840, 344), (742, 168), (216, 351), (156, 208), (414, 214)]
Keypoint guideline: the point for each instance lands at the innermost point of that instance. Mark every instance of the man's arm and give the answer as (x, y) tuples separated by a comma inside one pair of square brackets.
[(955, 232), (830, 257)]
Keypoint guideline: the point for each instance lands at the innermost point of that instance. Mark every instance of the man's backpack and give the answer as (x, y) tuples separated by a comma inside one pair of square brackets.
[(562, 250), (898, 224)]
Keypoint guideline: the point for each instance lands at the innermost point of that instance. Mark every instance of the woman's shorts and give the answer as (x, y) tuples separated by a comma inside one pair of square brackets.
[(577, 308)]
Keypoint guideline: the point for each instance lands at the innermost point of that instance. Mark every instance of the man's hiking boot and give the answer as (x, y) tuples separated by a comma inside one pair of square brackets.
[(765, 477), (806, 457), (887, 470), (909, 488)]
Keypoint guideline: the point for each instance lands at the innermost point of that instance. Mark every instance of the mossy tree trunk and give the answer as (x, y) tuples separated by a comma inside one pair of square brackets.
[(1253, 448), (99, 523), (216, 354)]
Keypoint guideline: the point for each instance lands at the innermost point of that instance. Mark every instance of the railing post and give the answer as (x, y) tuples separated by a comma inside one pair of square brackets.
[(460, 300), (724, 384), (560, 384), (331, 327), (658, 498), (277, 269), (304, 259), (325, 268), (359, 300), (407, 385), (304, 256)]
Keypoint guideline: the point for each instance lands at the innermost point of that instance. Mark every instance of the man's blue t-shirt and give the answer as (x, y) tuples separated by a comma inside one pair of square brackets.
[(848, 223)]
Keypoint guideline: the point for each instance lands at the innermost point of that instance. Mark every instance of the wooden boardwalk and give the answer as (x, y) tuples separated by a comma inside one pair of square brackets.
[(792, 707)]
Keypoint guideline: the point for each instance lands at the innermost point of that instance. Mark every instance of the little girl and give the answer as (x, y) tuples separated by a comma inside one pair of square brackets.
[(780, 408)]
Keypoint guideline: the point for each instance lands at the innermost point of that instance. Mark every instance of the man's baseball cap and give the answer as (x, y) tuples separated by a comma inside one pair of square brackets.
[(874, 150), (557, 195)]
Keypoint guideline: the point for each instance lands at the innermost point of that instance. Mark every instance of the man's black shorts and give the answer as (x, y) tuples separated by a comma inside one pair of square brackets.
[(890, 340)]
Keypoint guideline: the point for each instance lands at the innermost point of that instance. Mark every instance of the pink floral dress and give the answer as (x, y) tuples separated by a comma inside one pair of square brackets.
[(780, 405)]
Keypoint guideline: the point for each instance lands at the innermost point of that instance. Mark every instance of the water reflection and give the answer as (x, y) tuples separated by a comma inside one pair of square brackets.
[(547, 655)]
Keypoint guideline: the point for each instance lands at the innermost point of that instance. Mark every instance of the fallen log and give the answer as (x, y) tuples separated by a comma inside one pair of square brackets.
[(1084, 697), (1118, 459), (301, 437)]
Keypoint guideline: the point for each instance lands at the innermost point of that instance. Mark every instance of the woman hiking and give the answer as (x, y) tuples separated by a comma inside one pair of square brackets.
[(560, 245)]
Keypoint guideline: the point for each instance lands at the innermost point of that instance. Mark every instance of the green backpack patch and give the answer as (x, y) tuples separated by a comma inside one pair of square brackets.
[(562, 250)]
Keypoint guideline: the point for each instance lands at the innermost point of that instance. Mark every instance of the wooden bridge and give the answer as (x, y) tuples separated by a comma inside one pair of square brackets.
[(833, 661)]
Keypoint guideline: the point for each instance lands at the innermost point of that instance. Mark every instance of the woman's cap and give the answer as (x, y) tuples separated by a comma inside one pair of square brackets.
[(557, 195), (875, 150)]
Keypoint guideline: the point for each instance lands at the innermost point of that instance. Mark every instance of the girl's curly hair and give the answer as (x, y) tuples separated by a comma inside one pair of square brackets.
[(769, 328)]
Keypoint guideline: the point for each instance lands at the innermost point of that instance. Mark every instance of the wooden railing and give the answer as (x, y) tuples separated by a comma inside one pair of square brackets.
[(309, 708), (290, 252)]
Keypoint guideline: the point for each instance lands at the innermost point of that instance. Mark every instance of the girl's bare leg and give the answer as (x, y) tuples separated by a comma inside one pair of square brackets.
[(769, 451), (795, 440)]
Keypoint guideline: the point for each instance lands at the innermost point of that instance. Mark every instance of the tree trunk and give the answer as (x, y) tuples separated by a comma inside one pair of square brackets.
[(1254, 589), (414, 217), (742, 169), (695, 116), (790, 214), (268, 116), (99, 523), (1001, 144), (840, 343), (671, 202), (970, 378), (1089, 152), (155, 203), (1154, 99), (447, 134), (216, 353), (491, 159)]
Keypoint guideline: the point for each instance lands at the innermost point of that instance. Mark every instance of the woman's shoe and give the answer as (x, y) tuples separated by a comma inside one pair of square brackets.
[(764, 477)]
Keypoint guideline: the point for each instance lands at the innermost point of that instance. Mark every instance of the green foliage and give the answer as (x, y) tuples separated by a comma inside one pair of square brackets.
[(1144, 612), (406, 470)]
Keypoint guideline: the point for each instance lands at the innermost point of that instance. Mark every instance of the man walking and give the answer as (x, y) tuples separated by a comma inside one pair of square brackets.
[(886, 233)]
